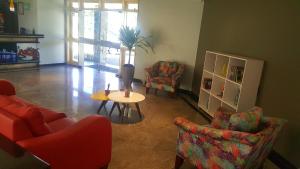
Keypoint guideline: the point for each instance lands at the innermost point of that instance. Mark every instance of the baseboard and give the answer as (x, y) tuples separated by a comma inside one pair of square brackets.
[(52, 64)]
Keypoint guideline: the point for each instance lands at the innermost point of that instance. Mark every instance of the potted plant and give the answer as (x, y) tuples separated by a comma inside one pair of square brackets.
[(131, 38)]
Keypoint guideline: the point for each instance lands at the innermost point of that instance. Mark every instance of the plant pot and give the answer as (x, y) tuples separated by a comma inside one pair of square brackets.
[(127, 75)]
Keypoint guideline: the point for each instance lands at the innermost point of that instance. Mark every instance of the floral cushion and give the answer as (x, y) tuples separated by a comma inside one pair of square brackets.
[(246, 121), (221, 119), (167, 69)]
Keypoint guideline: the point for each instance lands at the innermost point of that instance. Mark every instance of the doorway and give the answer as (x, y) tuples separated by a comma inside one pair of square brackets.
[(94, 33)]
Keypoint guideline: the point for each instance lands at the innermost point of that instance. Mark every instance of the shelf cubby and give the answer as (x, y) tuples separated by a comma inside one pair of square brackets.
[(236, 70), (204, 100), (214, 105), (209, 63), (206, 75), (218, 86), (232, 93), (239, 92), (221, 66), (228, 107)]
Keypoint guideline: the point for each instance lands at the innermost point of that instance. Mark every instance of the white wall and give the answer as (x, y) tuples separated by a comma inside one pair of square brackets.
[(47, 17), (175, 27), (50, 22)]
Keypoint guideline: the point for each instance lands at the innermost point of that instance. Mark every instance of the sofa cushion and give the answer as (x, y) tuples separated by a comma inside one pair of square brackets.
[(13, 127), (60, 124), (248, 121), (221, 119), (31, 115), (48, 115), (4, 101)]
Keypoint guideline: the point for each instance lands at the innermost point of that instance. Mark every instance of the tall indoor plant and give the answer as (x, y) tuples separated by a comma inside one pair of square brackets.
[(131, 38)]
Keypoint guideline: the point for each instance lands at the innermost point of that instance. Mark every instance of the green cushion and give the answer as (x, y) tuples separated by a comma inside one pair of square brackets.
[(248, 121), (221, 119)]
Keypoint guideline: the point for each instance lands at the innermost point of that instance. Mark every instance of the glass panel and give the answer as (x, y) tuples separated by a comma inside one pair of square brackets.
[(75, 5), (89, 23), (111, 24), (111, 57), (75, 25), (88, 50), (113, 5), (91, 5), (75, 52), (131, 19), (133, 6)]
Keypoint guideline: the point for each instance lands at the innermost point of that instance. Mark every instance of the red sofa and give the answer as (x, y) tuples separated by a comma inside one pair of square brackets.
[(55, 138)]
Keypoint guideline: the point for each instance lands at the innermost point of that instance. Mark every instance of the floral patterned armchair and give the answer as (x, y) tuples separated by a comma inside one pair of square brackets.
[(210, 148), (164, 75)]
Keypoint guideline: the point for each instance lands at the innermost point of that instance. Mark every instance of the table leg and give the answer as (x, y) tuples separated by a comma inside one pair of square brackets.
[(138, 110), (113, 107), (119, 108), (101, 106)]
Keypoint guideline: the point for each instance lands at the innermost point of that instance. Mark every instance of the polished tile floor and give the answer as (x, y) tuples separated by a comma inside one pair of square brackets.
[(149, 144)]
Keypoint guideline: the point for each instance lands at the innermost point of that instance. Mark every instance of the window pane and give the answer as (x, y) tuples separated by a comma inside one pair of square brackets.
[(75, 51), (131, 20), (113, 5), (89, 22), (88, 50), (111, 23), (75, 5), (133, 6), (91, 5), (75, 25)]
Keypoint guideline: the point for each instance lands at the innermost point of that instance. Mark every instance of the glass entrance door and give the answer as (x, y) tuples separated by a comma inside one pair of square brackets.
[(95, 32)]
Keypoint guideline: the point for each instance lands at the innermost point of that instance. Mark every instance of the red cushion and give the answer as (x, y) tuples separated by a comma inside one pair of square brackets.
[(13, 127), (48, 115), (31, 116), (60, 124), (5, 100)]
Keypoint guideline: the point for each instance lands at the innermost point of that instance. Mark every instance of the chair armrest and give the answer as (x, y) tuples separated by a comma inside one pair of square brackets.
[(7, 88), (218, 134), (86, 144), (176, 77), (148, 71)]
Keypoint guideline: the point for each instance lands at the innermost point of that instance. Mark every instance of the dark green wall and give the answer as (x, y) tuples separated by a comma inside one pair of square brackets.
[(267, 30)]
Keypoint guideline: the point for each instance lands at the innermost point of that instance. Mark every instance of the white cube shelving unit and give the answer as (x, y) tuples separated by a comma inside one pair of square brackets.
[(229, 89)]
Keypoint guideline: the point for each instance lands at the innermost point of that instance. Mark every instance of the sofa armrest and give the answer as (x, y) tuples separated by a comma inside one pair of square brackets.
[(86, 144), (7, 88), (218, 134)]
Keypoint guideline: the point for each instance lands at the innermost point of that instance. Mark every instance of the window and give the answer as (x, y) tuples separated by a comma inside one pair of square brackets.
[(133, 6), (90, 5), (94, 27), (75, 5), (113, 5)]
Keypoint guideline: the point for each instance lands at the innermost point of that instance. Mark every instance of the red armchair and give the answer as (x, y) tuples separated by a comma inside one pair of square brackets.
[(68, 144)]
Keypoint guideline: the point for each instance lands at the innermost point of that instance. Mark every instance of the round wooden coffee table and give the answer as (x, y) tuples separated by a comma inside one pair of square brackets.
[(119, 97)]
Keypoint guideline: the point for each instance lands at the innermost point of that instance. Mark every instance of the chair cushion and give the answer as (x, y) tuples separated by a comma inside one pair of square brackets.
[(162, 80), (221, 119), (31, 116), (163, 69), (167, 69), (246, 121)]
